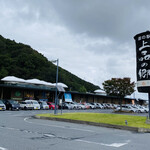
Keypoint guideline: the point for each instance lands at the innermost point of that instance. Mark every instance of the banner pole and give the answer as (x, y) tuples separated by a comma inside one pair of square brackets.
[(149, 105)]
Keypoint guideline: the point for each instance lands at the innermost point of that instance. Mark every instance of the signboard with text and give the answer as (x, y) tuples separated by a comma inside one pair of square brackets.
[(143, 61), (68, 97)]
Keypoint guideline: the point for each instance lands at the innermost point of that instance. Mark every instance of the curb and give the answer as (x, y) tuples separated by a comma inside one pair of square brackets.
[(133, 129)]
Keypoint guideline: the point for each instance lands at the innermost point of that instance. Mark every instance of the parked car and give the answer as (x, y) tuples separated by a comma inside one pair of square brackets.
[(99, 106), (115, 106), (82, 106), (26, 105), (52, 105), (35, 103), (109, 106), (73, 105), (126, 108), (66, 106), (79, 106), (11, 104), (145, 108), (95, 105), (2, 105), (86, 105), (104, 105), (138, 108), (43, 105), (91, 106)]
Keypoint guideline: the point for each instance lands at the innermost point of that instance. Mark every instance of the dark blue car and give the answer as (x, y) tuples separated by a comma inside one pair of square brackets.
[(11, 105)]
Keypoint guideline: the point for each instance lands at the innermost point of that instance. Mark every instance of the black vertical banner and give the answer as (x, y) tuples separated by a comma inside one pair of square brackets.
[(142, 41)]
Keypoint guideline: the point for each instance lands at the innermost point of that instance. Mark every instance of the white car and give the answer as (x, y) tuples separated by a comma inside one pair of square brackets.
[(2, 105), (139, 109), (142, 109), (43, 105), (79, 106), (100, 106), (35, 103), (146, 108), (91, 106), (26, 105)]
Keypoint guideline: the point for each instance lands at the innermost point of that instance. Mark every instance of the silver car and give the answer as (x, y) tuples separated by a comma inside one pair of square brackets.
[(126, 108), (43, 105)]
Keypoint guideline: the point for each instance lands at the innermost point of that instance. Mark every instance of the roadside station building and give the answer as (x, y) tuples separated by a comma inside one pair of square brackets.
[(19, 89)]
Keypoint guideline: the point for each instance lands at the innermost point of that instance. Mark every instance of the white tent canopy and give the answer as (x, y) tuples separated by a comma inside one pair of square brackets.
[(100, 91), (13, 79), (61, 84), (37, 81)]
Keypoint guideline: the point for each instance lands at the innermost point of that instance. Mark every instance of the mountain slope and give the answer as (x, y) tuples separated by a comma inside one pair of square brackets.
[(20, 60)]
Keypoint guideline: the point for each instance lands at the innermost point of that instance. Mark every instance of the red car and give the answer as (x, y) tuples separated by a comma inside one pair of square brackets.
[(51, 105)]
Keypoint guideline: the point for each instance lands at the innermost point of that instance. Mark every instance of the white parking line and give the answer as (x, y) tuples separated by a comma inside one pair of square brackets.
[(117, 145), (56, 126), (2, 148), (49, 135)]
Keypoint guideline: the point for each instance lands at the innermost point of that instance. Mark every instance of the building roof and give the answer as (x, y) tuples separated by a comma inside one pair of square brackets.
[(61, 84), (100, 91), (32, 83)]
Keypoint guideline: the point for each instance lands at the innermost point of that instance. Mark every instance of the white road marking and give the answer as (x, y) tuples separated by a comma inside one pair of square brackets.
[(9, 129), (114, 144), (26, 120), (49, 135), (78, 140), (2, 148), (110, 145)]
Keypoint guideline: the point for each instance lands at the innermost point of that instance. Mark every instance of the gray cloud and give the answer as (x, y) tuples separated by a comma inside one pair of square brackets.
[(92, 38), (116, 19)]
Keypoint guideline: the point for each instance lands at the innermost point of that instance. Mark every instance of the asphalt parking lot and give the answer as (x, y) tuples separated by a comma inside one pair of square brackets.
[(18, 130)]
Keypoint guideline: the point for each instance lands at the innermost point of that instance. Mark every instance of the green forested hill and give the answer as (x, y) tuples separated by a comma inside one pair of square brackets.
[(17, 59)]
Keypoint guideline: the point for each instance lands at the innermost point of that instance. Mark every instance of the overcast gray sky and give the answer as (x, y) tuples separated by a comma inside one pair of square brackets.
[(93, 39)]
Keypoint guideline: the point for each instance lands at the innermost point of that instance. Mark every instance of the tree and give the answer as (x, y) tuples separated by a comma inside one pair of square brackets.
[(82, 89), (20, 60), (119, 87)]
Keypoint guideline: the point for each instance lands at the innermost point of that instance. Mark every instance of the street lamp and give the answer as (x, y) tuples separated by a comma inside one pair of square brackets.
[(56, 97)]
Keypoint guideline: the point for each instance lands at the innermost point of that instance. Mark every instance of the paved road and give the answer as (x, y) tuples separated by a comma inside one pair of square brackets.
[(19, 131)]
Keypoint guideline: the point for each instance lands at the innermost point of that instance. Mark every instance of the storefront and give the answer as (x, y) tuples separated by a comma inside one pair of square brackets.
[(20, 89)]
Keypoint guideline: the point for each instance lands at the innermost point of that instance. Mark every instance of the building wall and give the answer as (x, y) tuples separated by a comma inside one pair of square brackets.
[(97, 99), (21, 94)]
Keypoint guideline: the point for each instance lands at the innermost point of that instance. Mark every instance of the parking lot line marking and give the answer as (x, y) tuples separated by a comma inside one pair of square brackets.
[(2, 148), (110, 145), (49, 135), (56, 126), (114, 144)]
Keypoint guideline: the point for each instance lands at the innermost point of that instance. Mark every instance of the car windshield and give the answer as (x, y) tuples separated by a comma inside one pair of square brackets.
[(44, 103), (52, 104), (35, 102), (1, 102), (13, 102)]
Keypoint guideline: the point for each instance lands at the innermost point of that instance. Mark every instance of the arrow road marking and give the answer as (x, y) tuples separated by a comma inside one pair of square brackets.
[(110, 145)]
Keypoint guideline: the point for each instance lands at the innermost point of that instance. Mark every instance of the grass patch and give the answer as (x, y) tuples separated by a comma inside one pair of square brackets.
[(115, 119)]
